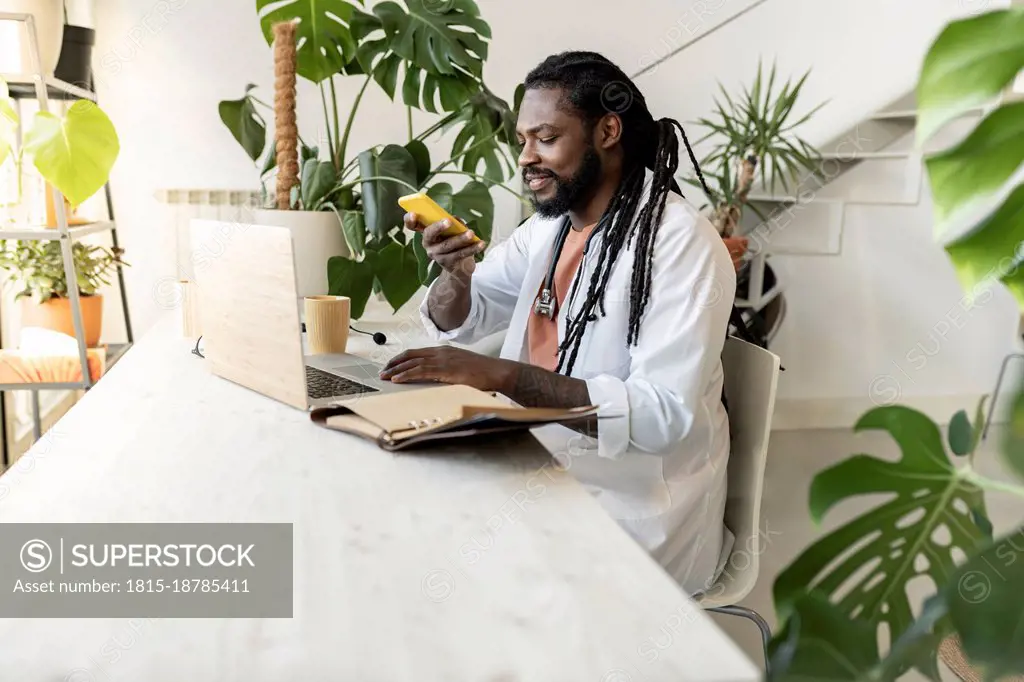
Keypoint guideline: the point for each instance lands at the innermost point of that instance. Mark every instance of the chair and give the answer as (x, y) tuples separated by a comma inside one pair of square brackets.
[(751, 377)]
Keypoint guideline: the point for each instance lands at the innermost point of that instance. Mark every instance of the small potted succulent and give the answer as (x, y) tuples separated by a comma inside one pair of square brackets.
[(38, 268)]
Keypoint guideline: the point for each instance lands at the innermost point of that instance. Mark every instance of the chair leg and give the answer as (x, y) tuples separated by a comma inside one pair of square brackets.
[(750, 614)]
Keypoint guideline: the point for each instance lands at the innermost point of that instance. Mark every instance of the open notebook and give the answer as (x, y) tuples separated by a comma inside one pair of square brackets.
[(435, 415)]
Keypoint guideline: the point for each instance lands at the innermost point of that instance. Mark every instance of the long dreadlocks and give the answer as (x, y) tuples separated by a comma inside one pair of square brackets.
[(590, 82)]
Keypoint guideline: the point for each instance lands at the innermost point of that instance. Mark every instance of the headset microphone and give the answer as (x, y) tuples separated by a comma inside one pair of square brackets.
[(378, 337)]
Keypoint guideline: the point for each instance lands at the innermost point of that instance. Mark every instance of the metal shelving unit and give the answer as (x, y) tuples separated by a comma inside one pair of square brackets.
[(43, 89), (25, 87)]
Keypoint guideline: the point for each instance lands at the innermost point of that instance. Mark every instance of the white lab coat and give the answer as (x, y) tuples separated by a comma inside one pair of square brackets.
[(660, 468)]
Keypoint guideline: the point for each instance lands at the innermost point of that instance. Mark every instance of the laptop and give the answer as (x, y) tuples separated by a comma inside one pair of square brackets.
[(252, 326)]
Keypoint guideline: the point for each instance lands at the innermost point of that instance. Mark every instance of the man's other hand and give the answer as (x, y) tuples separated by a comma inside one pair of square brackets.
[(448, 365)]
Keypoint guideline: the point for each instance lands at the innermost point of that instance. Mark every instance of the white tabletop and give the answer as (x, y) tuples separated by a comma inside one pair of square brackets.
[(384, 586)]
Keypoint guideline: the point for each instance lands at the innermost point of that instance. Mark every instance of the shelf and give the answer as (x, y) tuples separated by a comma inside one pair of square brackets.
[(115, 351), (908, 115), (24, 87), (864, 156), (769, 199), (43, 234)]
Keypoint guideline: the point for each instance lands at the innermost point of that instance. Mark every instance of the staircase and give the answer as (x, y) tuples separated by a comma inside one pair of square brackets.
[(844, 273), (876, 163)]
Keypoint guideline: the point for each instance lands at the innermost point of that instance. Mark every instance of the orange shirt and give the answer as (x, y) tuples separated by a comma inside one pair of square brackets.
[(542, 333)]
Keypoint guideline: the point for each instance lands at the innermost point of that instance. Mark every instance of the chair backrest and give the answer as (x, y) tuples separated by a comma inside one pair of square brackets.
[(751, 378)]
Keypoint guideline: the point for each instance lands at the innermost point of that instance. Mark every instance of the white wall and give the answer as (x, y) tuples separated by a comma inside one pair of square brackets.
[(163, 66), (884, 320)]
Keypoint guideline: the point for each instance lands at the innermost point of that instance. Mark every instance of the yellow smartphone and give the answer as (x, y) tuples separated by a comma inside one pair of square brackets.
[(429, 212)]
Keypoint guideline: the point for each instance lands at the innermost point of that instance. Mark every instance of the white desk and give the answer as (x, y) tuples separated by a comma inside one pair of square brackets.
[(385, 588)]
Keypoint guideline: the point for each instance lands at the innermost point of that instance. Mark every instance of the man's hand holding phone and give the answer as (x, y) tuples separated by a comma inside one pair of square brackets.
[(454, 254)]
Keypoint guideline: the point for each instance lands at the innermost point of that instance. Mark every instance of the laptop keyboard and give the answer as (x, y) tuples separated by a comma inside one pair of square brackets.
[(321, 384)]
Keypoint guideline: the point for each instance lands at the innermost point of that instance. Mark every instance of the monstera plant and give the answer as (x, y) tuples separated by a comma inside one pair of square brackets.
[(74, 152), (431, 54), (853, 587)]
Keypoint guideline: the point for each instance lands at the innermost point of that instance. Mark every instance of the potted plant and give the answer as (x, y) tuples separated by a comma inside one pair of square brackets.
[(852, 590), (38, 268), (74, 153), (48, 20), (348, 201), (753, 137)]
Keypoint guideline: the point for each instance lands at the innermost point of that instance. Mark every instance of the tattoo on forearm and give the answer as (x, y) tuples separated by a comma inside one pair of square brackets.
[(537, 387), (449, 300)]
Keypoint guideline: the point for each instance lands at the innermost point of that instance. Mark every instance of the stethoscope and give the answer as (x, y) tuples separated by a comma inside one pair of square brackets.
[(545, 303)]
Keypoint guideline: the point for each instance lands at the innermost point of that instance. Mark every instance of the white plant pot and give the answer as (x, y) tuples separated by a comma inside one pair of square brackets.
[(316, 237), (16, 46)]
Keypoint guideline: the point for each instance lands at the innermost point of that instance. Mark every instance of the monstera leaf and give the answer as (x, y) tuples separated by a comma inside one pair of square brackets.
[(819, 642), (325, 44), (245, 123), (866, 565), (8, 123), (989, 156), (346, 277), (986, 606), (1013, 445), (316, 181), (421, 155), (387, 174), (486, 122), (354, 226), (440, 47), (398, 273), (76, 153), (426, 269), (988, 252), (968, 65)]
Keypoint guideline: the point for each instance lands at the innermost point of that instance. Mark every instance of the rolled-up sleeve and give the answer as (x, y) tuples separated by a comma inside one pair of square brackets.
[(495, 288), (679, 348)]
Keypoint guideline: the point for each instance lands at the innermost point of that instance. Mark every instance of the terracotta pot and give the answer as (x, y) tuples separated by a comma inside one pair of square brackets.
[(737, 249), (70, 212), (55, 315)]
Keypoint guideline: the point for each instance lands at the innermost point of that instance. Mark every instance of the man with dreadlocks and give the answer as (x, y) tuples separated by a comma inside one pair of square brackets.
[(640, 289)]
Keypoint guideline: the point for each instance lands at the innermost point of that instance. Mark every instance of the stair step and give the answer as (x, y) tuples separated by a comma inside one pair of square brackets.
[(805, 228), (897, 115), (864, 156), (893, 177)]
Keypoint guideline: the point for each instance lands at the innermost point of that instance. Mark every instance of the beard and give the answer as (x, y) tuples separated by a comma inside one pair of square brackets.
[(571, 192)]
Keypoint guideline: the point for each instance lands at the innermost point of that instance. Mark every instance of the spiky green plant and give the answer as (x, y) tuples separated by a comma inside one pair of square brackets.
[(754, 136)]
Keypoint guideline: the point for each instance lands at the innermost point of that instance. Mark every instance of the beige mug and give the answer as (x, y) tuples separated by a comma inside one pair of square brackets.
[(191, 318), (327, 320)]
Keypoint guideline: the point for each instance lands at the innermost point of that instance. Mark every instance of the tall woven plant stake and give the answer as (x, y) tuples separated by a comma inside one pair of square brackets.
[(286, 130)]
